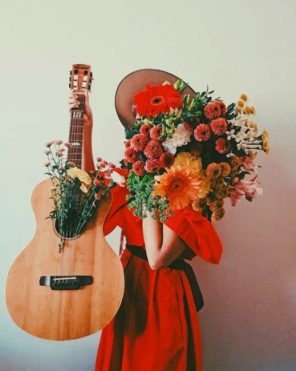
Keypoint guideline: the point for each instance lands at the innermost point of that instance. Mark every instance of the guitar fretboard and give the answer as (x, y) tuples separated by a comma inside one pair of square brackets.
[(76, 134)]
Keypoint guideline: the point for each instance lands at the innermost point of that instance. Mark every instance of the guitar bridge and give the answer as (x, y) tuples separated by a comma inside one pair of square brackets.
[(65, 282)]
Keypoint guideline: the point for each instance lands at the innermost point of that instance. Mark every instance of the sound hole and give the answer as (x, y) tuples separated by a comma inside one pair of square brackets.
[(67, 229)]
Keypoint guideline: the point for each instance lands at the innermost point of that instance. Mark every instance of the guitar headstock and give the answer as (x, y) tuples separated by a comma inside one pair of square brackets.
[(80, 77)]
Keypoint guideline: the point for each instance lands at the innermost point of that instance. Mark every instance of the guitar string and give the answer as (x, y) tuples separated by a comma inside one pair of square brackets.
[(77, 139), (74, 155), (77, 160), (73, 124), (77, 152)]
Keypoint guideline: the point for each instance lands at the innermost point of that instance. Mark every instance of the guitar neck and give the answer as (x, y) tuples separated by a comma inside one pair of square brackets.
[(76, 133)]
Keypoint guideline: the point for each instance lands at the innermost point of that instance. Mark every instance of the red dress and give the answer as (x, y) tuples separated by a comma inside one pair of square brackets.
[(156, 327)]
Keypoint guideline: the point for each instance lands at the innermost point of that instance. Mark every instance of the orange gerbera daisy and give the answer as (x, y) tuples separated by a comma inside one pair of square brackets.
[(179, 184)]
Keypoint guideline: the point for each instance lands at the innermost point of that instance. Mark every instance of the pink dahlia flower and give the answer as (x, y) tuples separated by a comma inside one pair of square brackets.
[(222, 146), (138, 142), (138, 168), (219, 126), (153, 149), (152, 165), (202, 132)]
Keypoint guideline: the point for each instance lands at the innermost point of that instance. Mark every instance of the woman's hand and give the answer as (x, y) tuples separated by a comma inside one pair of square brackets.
[(74, 103), (162, 244)]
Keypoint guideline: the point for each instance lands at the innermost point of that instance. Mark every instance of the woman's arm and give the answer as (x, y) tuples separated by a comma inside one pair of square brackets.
[(162, 244)]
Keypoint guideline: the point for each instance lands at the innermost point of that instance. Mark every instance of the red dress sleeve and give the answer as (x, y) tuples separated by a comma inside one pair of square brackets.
[(198, 233), (115, 216)]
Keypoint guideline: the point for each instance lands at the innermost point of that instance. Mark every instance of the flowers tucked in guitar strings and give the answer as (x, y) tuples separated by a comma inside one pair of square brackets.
[(190, 151), (75, 193)]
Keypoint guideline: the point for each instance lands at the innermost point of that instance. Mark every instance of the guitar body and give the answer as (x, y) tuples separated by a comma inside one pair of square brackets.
[(64, 314)]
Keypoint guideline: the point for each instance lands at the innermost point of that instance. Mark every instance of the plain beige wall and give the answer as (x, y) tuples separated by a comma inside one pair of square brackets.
[(248, 322)]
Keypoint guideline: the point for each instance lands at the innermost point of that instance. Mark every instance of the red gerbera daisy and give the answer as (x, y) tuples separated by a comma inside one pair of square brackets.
[(222, 146), (202, 132), (219, 126), (153, 149), (157, 99)]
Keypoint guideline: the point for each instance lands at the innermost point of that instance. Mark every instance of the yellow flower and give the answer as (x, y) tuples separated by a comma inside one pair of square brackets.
[(83, 176), (199, 204), (216, 205), (254, 126), (218, 214), (235, 163), (248, 110), (213, 170), (221, 193), (56, 196), (186, 159), (204, 187), (240, 103), (265, 143), (252, 154), (55, 191), (244, 97), (179, 184), (225, 168)]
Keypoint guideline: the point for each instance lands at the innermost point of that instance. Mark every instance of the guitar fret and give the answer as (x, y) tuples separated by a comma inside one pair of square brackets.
[(76, 136)]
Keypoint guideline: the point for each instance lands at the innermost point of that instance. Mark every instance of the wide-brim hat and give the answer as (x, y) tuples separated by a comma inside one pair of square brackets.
[(135, 82)]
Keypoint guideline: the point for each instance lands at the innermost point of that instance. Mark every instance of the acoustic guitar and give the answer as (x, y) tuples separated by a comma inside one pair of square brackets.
[(70, 291)]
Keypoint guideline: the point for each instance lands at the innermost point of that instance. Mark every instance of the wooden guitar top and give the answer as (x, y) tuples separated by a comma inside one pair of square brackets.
[(64, 314)]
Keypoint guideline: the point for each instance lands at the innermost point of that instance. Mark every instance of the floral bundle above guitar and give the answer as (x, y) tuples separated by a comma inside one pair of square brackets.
[(75, 192), (192, 151)]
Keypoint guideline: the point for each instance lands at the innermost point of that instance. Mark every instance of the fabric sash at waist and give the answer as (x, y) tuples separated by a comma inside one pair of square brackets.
[(179, 264)]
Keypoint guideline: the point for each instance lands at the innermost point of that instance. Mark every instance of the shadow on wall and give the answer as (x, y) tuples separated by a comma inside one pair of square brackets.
[(248, 322)]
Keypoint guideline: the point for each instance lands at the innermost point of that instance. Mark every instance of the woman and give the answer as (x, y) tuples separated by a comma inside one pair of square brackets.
[(156, 327)]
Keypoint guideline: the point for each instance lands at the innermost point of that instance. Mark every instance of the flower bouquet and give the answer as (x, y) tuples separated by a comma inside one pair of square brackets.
[(75, 193), (185, 150)]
